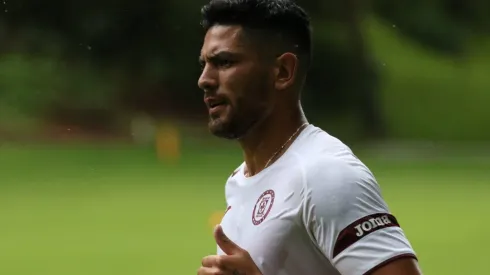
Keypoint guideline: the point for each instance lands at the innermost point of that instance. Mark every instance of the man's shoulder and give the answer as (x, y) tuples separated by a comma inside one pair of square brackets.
[(236, 171), (318, 148), (321, 166), (326, 160), (316, 141), (338, 187), (336, 173)]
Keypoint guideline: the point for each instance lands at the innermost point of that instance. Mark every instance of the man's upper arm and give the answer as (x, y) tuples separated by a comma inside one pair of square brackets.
[(397, 266), (350, 222)]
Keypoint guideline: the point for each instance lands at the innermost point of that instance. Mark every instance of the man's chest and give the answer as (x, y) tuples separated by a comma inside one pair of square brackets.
[(267, 224), (266, 219), (252, 216)]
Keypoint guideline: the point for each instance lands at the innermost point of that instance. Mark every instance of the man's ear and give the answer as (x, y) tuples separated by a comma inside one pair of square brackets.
[(286, 71)]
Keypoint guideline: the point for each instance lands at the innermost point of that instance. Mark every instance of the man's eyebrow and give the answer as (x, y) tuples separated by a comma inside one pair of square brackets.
[(219, 55)]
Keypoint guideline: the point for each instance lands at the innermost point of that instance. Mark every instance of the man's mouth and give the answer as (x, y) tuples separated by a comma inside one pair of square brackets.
[(215, 109), (216, 104), (213, 102)]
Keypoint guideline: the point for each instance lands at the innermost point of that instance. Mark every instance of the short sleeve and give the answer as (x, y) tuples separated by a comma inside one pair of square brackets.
[(347, 218)]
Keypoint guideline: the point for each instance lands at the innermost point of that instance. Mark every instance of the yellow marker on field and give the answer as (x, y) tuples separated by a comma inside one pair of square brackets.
[(215, 218), (168, 142)]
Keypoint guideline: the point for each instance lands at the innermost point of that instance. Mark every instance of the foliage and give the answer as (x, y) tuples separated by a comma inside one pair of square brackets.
[(149, 49), (427, 95), (30, 86)]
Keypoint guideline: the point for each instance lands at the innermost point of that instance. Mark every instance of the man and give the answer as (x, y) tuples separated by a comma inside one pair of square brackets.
[(301, 203)]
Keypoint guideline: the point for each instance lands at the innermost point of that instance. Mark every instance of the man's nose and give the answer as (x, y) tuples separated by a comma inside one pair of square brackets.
[(208, 79)]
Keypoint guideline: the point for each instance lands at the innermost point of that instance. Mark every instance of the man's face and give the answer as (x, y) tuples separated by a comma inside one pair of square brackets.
[(236, 81)]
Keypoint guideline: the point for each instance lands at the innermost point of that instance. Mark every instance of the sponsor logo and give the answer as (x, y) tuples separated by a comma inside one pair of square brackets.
[(361, 228), (372, 224)]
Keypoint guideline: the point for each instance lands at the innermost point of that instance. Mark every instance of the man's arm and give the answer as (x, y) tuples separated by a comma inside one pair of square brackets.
[(349, 221), (400, 266)]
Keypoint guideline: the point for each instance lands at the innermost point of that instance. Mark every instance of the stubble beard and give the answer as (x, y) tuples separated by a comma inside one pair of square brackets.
[(233, 127)]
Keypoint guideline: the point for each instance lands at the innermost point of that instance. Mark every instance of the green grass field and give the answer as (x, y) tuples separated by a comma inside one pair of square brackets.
[(116, 210)]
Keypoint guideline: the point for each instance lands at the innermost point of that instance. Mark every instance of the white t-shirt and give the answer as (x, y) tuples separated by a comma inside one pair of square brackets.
[(317, 210)]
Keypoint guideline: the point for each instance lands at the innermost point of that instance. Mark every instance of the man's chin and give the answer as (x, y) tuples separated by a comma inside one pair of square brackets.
[(220, 133), (221, 129)]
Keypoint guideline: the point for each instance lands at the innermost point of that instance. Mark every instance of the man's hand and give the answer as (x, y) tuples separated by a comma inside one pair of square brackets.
[(237, 261)]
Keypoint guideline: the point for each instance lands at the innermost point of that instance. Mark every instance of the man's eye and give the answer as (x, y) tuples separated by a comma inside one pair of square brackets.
[(224, 63)]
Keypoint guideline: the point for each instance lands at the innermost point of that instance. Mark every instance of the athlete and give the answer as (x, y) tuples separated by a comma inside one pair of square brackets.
[(301, 202)]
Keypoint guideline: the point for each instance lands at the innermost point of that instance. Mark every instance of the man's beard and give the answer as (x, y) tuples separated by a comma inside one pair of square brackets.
[(243, 114), (232, 126)]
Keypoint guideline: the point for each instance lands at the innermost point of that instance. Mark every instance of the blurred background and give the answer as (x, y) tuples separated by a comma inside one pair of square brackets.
[(106, 165)]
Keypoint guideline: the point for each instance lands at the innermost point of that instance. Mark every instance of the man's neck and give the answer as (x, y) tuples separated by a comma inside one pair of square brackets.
[(266, 139)]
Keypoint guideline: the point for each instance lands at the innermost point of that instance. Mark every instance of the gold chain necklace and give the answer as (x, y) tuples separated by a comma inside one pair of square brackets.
[(282, 147)]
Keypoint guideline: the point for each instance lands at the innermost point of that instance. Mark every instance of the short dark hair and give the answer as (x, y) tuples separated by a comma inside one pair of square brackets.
[(274, 18)]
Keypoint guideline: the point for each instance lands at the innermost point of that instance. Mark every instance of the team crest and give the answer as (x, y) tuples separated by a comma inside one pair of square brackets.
[(263, 206)]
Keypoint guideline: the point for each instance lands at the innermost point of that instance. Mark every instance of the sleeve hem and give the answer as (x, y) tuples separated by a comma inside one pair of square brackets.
[(405, 255)]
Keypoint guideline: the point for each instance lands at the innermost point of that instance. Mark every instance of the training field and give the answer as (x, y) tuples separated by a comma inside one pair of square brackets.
[(116, 210)]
